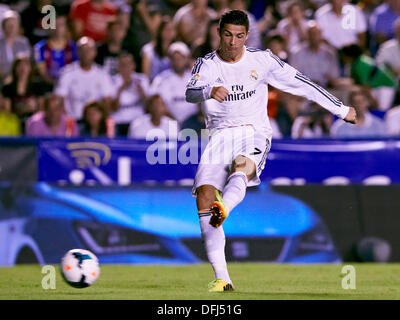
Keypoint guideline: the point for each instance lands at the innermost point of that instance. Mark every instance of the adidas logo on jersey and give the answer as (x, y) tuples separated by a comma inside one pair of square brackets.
[(219, 80)]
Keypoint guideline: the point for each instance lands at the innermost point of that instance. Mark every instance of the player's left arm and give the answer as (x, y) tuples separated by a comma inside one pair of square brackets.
[(286, 78), (199, 86)]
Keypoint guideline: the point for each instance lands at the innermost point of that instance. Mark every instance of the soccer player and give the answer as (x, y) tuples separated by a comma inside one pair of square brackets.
[(232, 81)]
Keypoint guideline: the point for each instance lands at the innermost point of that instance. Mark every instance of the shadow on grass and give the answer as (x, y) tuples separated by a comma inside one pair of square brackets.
[(298, 295)]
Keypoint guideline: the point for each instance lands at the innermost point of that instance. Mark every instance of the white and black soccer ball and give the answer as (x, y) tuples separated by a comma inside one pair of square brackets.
[(80, 268)]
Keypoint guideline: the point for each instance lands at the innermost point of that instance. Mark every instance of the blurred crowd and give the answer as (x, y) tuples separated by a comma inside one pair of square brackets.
[(119, 68)]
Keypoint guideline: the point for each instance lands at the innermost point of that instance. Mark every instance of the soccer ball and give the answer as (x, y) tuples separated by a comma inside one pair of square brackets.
[(80, 268)]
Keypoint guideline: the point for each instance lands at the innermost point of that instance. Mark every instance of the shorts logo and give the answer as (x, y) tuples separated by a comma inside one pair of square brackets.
[(257, 151), (253, 75)]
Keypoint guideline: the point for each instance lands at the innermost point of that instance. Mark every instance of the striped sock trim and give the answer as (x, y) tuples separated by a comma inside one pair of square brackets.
[(204, 213)]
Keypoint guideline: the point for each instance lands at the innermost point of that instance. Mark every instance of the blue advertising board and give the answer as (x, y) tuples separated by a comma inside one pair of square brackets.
[(153, 225), (290, 162)]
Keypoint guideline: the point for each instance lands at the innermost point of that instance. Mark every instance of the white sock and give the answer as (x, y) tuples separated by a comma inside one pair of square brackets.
[(235, 190), (214, 243)]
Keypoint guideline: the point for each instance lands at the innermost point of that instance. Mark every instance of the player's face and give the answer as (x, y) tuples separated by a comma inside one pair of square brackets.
[(233, 38)]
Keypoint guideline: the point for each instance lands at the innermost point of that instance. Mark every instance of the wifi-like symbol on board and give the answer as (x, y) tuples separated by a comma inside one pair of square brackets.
[(89, 154)]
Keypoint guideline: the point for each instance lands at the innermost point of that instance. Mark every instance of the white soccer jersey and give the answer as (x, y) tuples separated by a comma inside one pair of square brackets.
[(79, 86), (246, 80)]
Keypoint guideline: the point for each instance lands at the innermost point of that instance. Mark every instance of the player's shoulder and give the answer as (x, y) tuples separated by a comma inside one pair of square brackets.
[(257, 54), (204, 63), (253, 50), (207, 58), (268, 54)]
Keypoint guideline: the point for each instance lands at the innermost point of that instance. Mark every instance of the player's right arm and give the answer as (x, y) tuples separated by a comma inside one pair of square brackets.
[(200, 86), (286, 78)]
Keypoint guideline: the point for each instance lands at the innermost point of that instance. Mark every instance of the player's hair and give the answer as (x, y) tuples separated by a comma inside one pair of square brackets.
[(236, 17)]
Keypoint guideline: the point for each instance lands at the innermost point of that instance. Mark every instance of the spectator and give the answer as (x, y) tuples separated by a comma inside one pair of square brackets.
[(9, 122), (132, 89), (276, 131), (124, 10), (368, 7), (95, 122), (154, 122), (293, 27), (254, 39), (381, 23), (211, 41), (195, 122), (366, 73), (191, 21), (24, 92), (315, 123), (389, 52), (170, 84), (155, 54), (107, 53), (315, 59), (219, 6), (367, 126), (3, 9), (392, 121), (52, 121), (266, 22), (145, 19), (342, 24), (276, 43), (90, 18), (53, 54), (12, 45), (84, 81), (31, 20)]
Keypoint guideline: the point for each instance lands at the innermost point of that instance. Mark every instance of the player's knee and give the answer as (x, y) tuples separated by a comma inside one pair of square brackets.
[(205, 196), (245, 165)]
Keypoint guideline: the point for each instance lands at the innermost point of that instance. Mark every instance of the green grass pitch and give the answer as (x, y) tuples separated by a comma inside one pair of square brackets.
[(252, 280)]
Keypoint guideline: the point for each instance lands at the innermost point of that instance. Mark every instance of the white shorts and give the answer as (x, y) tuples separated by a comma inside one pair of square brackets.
[(223, 147)]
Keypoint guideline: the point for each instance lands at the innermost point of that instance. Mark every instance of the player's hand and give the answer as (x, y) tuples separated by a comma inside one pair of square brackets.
[(219, 93), (351, 116)]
